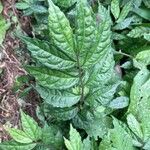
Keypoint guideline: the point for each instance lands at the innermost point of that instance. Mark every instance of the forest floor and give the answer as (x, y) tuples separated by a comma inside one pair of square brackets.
[(11, 65)]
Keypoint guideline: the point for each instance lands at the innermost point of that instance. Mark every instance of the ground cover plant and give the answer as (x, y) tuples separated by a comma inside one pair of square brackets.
[(86, 65)]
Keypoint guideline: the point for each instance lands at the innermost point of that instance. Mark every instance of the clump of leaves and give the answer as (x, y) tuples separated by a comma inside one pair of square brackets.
[(75, 73)]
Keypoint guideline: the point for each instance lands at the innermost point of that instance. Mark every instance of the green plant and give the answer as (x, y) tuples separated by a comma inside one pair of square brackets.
[(75, 73), (32, 136)]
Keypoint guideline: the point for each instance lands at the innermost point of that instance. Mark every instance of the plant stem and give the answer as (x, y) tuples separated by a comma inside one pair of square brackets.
[(80, 80)]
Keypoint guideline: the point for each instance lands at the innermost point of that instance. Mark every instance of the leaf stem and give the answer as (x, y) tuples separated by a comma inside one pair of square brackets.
[(80, 80)]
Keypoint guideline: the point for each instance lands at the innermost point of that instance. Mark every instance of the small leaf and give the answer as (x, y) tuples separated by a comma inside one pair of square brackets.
[(126, 9), (147, 3), (134, 126), (143, 57), (119, 102), (22, 5), (139, 31), (115, 9), (19, 136), (30, 127), (75, 142), (12, 145), (124, 24)]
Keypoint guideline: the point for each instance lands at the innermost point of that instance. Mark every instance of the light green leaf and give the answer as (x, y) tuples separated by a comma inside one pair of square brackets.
[(126, 9), (22, 5), (134, 125), (147, 37), (143, 57), (147, 3), (85, 28), (120, 138), (135, 94), (58, 98), (3, 26), (119, 102), (12, 145), (40, 50), (30, 127), (75, 142), (19, 136), (124, 24), (52, 79), (60, 30), (139, 31), (115, 9)]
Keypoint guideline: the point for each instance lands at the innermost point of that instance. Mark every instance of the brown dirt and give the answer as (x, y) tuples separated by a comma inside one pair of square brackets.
[(9, 107)]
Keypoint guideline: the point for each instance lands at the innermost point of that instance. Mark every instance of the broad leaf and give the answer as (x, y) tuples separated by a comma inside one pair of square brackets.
[(40, 50), (52, 79), (58, 98), (60, 30)]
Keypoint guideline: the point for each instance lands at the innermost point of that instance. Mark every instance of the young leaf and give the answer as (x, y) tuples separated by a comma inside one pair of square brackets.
[(115, 9), (134, 125), (60, 30), (12, 145), (120, 138), (126, 9), (30, 127), (19, 135), (139, 31), (75, 142), (143, 57), (119, 103)]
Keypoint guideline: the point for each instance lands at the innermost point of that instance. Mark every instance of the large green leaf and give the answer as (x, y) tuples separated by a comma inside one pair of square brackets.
[(85, 28), (103, 39), (30, 127), (12, 145), (58, 98), (52, 79), (60, 30), (40, 50)]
